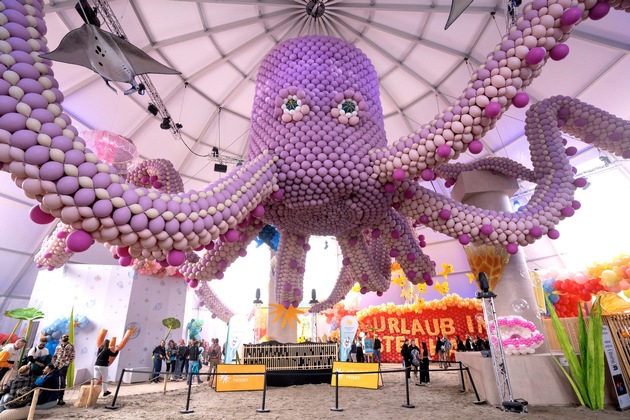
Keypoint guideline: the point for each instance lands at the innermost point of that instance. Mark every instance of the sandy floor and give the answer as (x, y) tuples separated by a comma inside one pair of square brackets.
[(443, 399)]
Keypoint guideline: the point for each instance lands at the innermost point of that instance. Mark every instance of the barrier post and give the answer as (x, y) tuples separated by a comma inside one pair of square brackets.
[(263, 409), (408, 405), (187, 410), (461, 373), (31, 410), (336, 407), (479, 401), (113, 406)]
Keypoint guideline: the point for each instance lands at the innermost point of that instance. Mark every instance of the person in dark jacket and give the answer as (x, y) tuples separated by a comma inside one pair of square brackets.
[(181, 361), (405, 352), (50, 380), (15, 387), (159, 354), (101, 366), (424, 365), (460, 344), (193, 361)]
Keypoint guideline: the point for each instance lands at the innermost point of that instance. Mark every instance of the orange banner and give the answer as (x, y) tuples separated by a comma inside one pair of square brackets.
[(228, 381)]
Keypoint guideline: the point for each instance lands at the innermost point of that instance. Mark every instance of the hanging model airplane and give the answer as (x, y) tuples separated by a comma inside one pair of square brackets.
[(112, 57)]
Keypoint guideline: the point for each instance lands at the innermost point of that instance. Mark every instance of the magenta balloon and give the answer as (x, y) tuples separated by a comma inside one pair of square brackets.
[(559, 52), (512, 249), (571, 16), (79, 241), (176, 257), (599, 11), (399, 173), (39, 216), (553, 234), (427, 174), (580, 182), (443, 151), (122, 251), (486, 229), (231, 236), (475, 147), (536, 232), (535, 55), (444, 214), (492, 110), (125, 261), (195, 283), (521, 99), (464, 239), (62, 234)]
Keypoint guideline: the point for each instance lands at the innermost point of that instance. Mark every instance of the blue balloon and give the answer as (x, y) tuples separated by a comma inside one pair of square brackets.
[(553, 298), (56, 335)]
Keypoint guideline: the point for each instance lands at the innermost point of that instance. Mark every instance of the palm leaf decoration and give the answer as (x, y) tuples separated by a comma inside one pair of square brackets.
[(171, 324), (23, 314)]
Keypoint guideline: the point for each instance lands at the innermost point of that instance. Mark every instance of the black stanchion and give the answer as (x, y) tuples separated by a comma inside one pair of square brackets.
[(188, 410), (336, 407), (113, 406), (263, 409), (472, 383), (408, 405)]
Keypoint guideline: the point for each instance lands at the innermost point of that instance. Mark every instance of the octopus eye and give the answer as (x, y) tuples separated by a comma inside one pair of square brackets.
[(348, 108), (292, 107)]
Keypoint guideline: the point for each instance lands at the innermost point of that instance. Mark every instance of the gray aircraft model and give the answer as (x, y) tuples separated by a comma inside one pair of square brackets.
[(112, 57)]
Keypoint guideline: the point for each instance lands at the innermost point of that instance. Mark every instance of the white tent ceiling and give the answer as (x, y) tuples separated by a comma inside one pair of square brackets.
[(217, 45)]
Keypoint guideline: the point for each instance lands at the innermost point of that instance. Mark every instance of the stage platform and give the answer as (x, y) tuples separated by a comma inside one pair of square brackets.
[(535, 378)]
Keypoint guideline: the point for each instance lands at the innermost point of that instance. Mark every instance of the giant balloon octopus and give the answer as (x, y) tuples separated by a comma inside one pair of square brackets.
[(318, 159)]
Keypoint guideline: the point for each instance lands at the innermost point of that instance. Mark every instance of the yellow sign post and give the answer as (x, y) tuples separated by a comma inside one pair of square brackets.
[(352, 375), (235, 378)]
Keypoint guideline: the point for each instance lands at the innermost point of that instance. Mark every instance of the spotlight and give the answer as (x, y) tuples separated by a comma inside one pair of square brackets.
[(215, 152), (315, 8), (313, 297), (239, 163), (257, 300), (153, 110), (219, 167), (605, 160), (166, 123), (179, 126)]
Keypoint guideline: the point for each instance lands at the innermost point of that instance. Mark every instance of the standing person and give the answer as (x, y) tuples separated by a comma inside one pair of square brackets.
[(214, 356), (405, 352), (159, 354), (424, 365), (460, 344), (415, 359), (50, 379), (480, 344), (438, 349), (360, 355), (377, 349), (64, 355), (14, 350), (447, 346), (470, 344), (38, 357), (193, 362), (181, 360), (16, 386), (171, 356), (353, 351), (101, 366)]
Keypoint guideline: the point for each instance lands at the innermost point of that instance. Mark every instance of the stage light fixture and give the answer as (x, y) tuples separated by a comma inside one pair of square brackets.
[(219, 167), (153, 110), (215, 152), (166, 123)]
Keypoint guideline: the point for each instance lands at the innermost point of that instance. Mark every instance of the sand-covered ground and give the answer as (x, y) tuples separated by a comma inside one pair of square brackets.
[(442, 399)]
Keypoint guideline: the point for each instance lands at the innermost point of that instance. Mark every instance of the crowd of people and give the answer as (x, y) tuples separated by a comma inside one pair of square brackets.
[(37, 369), (185, 360)]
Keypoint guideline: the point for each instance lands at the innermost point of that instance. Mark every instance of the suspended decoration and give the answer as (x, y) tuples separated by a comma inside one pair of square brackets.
[(487, 259), (359, 188)]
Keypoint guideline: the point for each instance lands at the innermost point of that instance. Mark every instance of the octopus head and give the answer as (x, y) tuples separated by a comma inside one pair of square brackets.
[(317, 108)]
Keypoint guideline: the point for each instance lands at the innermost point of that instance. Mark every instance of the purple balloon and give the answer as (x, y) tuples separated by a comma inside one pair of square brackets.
[(39, 216), (559, 52), (176, 257), (475, 147)]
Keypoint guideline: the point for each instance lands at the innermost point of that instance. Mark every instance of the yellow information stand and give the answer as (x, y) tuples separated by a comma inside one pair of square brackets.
[(351, 375), (235, 378)]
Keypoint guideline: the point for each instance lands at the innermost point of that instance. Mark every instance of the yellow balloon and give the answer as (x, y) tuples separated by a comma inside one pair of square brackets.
[(626, 293), (610, 278)]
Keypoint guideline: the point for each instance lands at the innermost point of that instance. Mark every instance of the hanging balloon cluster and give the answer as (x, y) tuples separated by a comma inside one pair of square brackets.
[(59, 327), (565, 289), (334, 315)]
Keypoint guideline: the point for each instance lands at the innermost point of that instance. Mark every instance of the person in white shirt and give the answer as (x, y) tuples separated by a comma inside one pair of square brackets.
[(14, 350), (39, 357)]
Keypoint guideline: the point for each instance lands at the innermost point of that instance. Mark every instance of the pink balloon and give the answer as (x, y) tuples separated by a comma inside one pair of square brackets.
[(175, 257), (39, 216), (79, 241)]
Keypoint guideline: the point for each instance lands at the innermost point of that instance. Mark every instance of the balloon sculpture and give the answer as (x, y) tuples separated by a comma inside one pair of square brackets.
[(518, 335), (318, 159)]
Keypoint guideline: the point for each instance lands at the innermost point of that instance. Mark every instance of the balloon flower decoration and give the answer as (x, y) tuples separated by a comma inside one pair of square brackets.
[(487, 259), (518, 335), (318, 160)]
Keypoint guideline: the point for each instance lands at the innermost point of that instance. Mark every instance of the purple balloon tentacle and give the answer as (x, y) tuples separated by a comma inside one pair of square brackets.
[(290, 265), (342, 287), (365, 271), (491, 91), (222, 255), (213, 303)]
